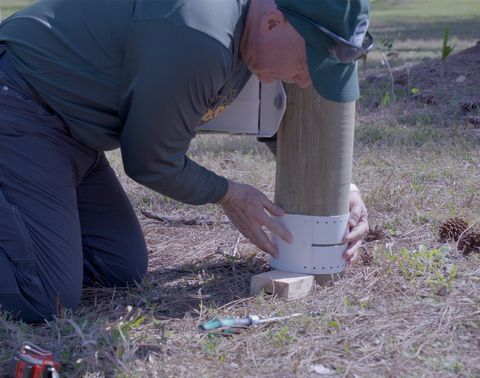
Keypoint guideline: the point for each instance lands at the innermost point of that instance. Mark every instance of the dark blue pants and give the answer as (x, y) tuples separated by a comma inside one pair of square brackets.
[(65, 220)]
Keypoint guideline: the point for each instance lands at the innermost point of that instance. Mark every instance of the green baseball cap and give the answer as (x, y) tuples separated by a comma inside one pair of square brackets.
[(336, 34)]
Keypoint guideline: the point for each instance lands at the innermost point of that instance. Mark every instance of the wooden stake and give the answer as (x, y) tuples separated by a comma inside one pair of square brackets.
[(314, 155)]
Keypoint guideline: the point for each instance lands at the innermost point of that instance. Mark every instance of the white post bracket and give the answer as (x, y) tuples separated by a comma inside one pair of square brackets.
[(317, 246)]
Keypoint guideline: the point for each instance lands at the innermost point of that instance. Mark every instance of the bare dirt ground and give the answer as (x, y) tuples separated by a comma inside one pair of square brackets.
[(459, 77), (444, 85)]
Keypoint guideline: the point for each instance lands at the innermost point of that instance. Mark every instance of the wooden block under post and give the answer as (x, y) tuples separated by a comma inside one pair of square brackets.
[(282, 284)]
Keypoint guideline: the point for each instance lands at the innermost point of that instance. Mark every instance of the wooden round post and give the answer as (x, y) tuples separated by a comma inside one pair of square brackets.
[(314, 155)]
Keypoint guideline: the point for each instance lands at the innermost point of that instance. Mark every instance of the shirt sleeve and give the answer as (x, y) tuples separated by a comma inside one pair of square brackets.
[(171, 75)]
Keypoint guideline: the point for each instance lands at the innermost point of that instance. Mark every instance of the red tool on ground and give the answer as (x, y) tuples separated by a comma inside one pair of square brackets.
[(31, 361)]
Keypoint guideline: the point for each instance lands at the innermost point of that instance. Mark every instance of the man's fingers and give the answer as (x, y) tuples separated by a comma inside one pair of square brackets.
[(353, 220), (357, 232), (352, 249), (278, 229), (266, 245), (258, 237), (355, 214), (273, 208), (272, 224), (357, 209)]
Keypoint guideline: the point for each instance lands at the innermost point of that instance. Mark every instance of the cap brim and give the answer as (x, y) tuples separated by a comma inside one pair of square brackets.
[(334, 80)]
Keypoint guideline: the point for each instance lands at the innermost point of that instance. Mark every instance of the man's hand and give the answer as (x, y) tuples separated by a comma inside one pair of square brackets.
[(245, 207), (358, 222)]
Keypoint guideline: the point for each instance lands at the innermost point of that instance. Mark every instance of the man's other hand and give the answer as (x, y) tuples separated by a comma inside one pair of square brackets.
[(358, 222), (246, 208)]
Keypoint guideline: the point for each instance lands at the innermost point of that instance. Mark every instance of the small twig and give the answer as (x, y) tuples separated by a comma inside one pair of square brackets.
[(348, 369), (426, 342), (235, 250), (391, 75), (423, 92), (186, 222), (59, 307)]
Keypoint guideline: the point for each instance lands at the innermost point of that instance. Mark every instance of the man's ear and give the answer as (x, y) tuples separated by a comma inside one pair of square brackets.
[(271, 20)]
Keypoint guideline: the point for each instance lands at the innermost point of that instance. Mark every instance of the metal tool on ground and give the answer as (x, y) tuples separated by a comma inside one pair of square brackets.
[(230, 326), (31, 361)]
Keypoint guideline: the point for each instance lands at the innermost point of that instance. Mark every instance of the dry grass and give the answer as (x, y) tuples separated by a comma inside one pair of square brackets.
[(401, 310), (409, 306)]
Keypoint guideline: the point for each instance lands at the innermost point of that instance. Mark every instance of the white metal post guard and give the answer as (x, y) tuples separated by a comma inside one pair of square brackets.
[(317, 246)]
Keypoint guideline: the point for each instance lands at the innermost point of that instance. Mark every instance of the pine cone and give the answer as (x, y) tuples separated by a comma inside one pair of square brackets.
[(452, 229), (470, 104), (473, 119), (469, 242)]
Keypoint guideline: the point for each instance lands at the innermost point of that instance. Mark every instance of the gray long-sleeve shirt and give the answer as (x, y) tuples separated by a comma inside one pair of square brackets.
[(136, 74)]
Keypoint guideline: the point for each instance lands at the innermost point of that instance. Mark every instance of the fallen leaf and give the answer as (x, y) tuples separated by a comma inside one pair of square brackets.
[(460, 79), (322, 370)]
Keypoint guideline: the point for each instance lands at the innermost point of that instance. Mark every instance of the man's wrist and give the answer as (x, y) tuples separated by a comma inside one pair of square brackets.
[(230, 189)]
